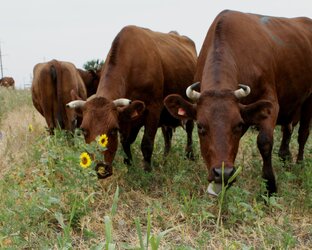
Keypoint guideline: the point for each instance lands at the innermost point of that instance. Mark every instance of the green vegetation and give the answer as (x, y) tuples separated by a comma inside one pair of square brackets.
[(94, 64), (48, 201)]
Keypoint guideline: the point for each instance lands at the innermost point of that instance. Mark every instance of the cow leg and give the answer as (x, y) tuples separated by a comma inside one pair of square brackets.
[(304, 128), (126, 148), (147, 144), (126, 142), (265, 145), (189, 146), (50, 123), (284, 151), (167, 133), (37, 105)]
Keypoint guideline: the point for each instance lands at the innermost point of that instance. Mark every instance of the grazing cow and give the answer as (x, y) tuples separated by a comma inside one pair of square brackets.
[(51, 89), (142, 67), (253, 70), (7, 82), (91, 80)]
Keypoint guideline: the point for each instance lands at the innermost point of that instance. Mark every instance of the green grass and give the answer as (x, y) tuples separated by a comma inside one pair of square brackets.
[(49, 202)]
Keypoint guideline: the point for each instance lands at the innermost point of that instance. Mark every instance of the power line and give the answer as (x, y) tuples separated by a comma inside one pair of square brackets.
[(1, 66)]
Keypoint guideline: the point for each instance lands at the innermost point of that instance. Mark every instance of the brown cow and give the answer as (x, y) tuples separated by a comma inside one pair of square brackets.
[(51, 89), (273, 56), (91, 80), (7, 82), (141, 68)]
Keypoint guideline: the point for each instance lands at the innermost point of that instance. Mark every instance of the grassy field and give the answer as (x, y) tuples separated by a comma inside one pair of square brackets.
[(49, 202)]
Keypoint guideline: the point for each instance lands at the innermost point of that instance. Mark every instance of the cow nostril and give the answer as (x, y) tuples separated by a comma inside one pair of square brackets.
[(233, 171), (228, 172), (217, 172)]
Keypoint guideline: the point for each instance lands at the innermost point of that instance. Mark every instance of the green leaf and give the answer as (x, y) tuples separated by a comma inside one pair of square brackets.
[(237, 172), (154, 242), (108, 231), (60, 219), (98, 247), (139, 231), (149, 225), (115, 200)]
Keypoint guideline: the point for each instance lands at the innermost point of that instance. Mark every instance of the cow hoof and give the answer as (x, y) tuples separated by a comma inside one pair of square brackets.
[(285, 155), (147, 167), (299, 160), (190, 156), (127, 161), (272, 189)]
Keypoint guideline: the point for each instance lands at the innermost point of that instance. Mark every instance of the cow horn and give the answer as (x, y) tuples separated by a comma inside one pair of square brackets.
[(191, 93), (121, 102), (243, 91), (75, 104), (91, 97)]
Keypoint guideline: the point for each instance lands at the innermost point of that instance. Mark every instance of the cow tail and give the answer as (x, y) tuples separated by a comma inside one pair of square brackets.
[(56, 75)]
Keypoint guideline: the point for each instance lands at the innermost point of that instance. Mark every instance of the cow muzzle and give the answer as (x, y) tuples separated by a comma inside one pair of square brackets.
[(222, 178), (223, 174), (103, 170)]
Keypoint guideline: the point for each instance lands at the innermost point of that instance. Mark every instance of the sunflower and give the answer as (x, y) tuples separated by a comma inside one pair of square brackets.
[(103, 140), (85, 160)]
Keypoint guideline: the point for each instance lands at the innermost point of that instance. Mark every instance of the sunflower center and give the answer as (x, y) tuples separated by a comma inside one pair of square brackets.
[(84, 160)]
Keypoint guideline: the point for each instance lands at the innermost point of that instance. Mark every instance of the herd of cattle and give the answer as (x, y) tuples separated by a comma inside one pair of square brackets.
[(252, 70)]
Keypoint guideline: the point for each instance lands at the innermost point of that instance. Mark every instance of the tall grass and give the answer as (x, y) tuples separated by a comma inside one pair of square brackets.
[(49, 202)]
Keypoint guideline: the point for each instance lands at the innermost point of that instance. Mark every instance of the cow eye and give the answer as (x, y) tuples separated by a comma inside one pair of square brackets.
[(113, 131), (238, 128), (201, 130), (84, 131)]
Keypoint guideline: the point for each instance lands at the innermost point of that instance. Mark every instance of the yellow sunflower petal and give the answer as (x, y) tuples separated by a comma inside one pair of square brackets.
[(85, 160), (103, 140)]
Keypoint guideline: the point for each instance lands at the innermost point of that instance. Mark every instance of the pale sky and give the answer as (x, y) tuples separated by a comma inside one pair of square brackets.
[(33, 31)]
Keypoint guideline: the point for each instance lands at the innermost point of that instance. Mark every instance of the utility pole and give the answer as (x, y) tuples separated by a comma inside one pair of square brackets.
[(1, 66)]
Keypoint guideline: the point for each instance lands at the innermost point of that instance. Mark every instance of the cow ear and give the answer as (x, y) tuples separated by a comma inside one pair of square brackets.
[(74, 96), (132, 111), (254, 113), (180, 108)]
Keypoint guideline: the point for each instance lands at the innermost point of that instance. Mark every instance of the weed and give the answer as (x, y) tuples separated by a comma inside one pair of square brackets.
[(49, 202)]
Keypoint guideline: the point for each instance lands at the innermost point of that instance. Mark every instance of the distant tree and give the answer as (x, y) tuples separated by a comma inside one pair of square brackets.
[(93, 65)]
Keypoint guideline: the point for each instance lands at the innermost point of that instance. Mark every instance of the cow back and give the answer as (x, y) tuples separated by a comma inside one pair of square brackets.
[(51, 90), (147, 66), (272, 55)]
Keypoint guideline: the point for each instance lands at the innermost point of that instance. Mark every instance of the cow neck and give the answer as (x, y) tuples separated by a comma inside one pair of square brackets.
[(112, 88), (220, 69)]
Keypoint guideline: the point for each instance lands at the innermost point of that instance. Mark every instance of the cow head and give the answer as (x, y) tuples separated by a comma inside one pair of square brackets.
[(221, 122), (101, 116)]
